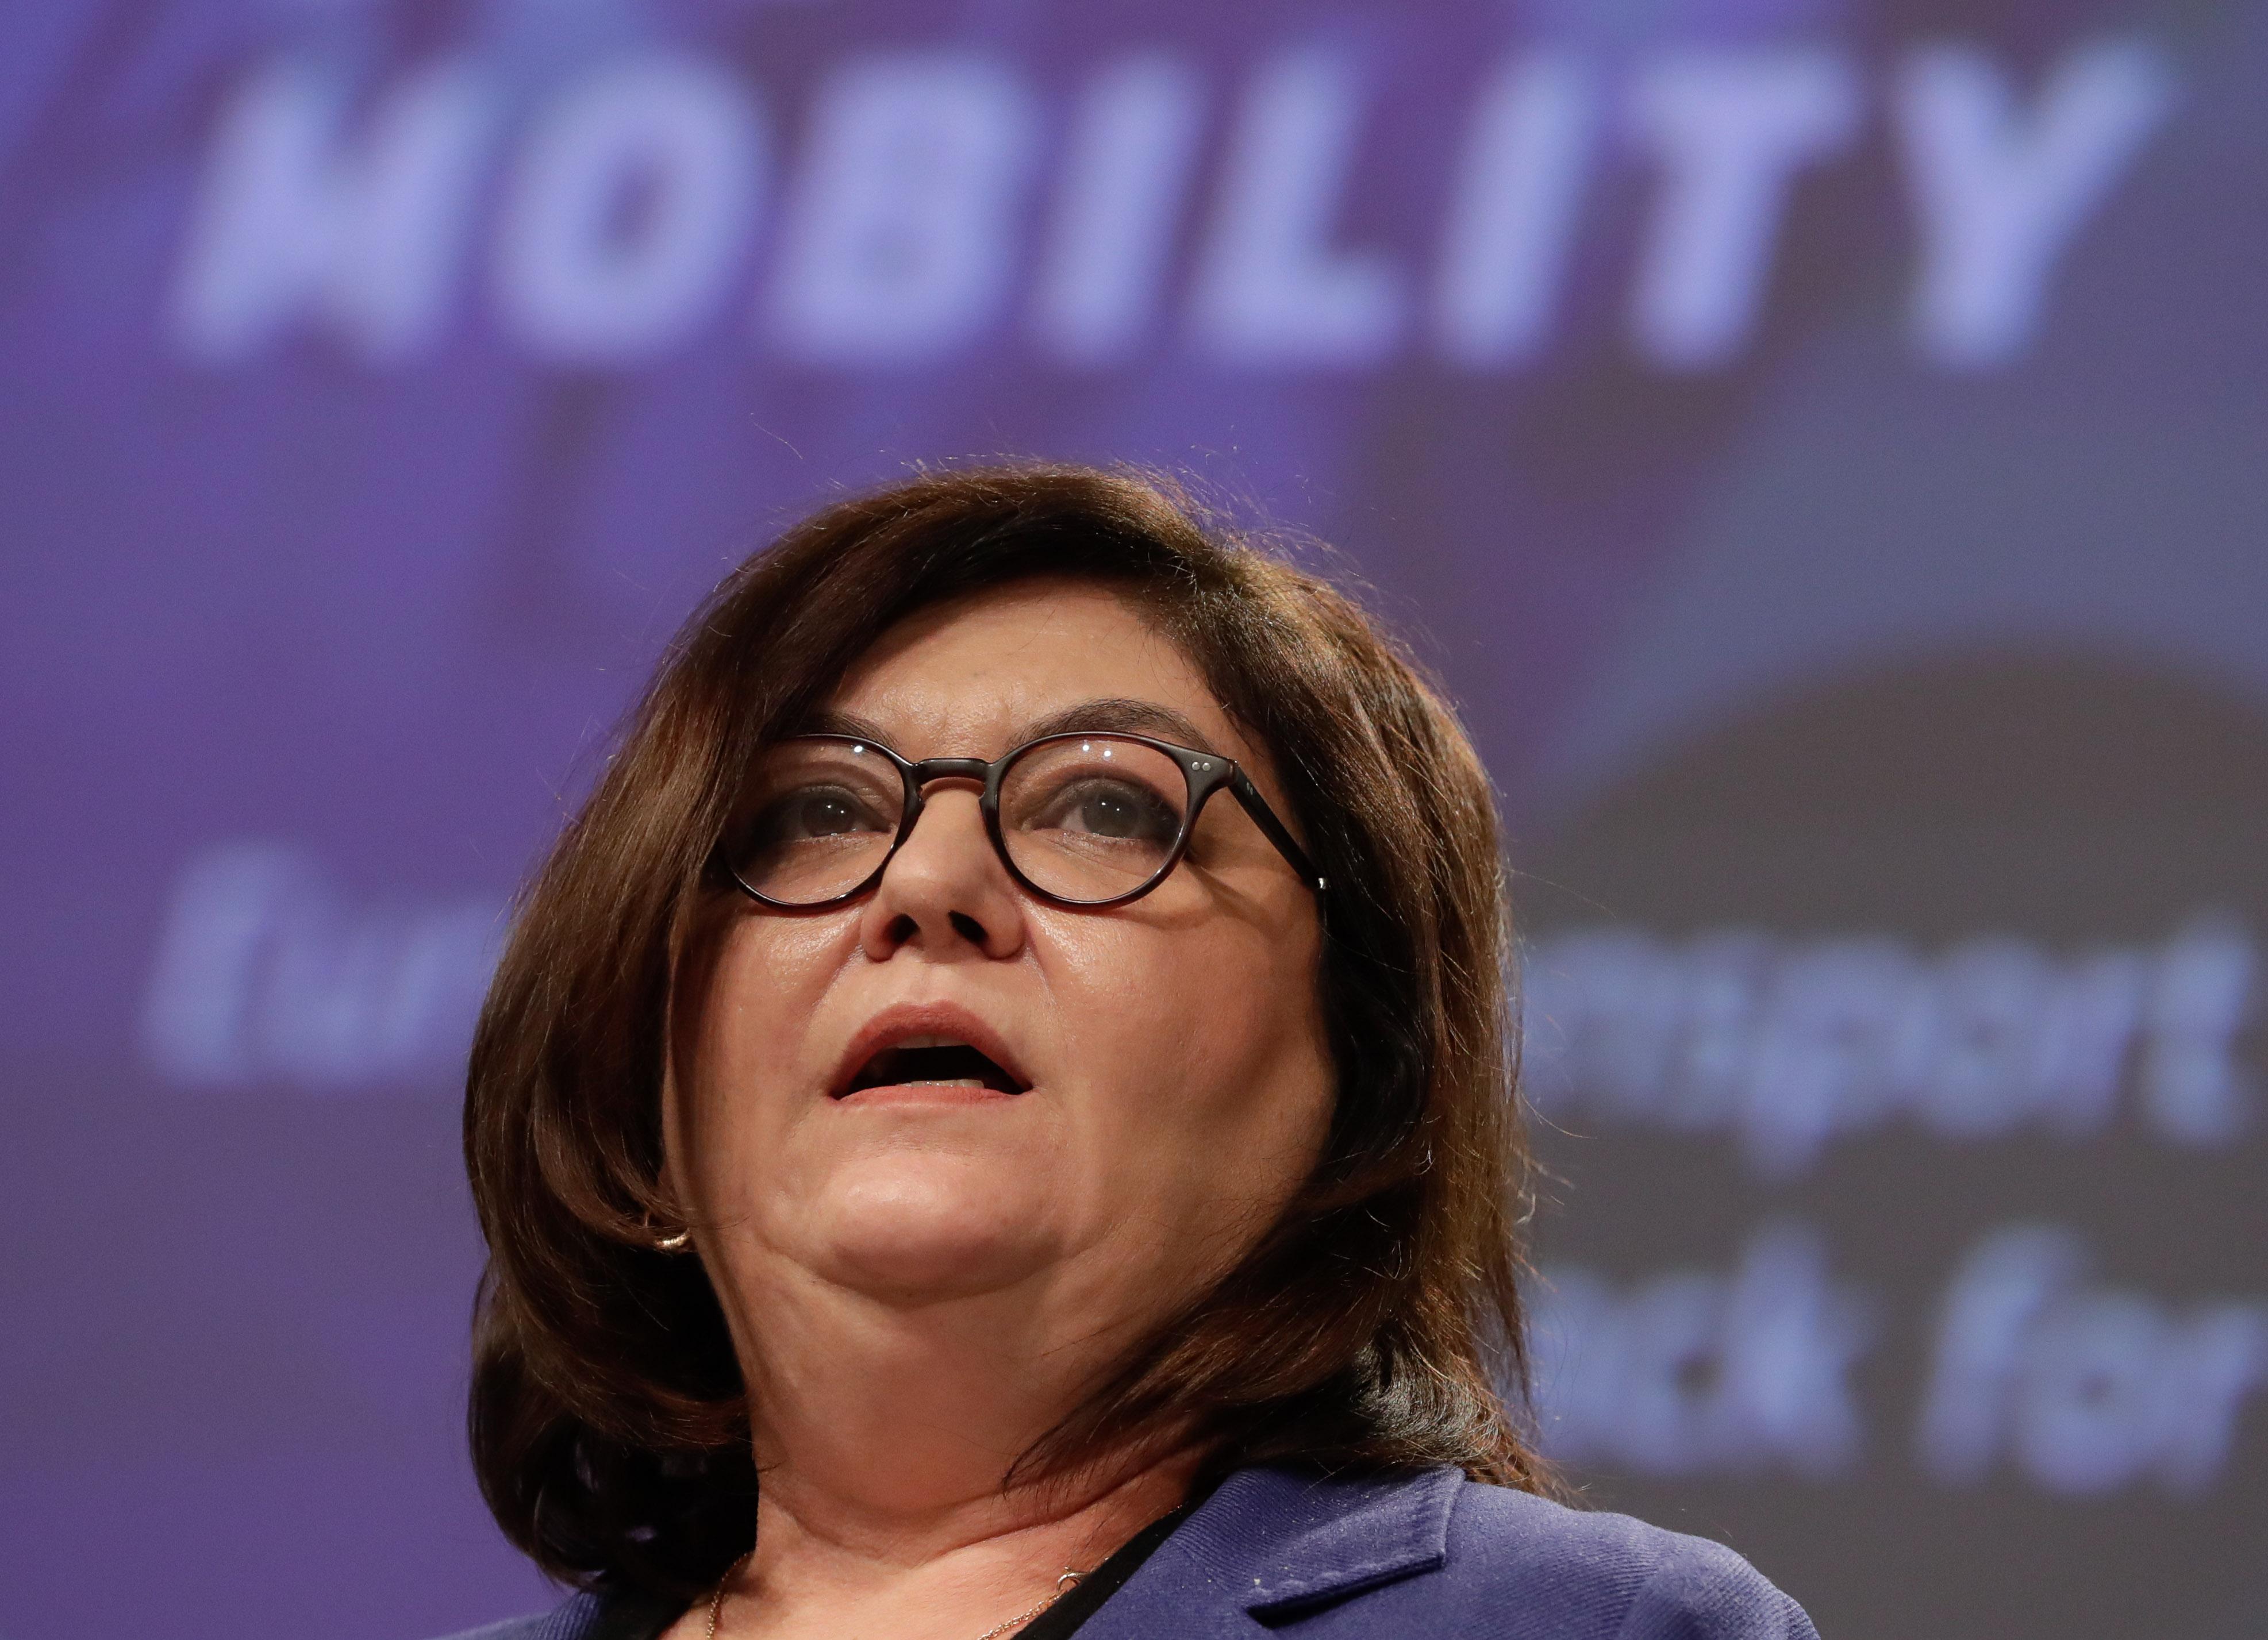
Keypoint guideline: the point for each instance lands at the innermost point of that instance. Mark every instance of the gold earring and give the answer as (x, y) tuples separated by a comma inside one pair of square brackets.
[(677, 1243)]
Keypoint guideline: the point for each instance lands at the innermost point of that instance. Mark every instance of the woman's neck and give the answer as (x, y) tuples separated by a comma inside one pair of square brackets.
[(885, 1437), (828, 1563)]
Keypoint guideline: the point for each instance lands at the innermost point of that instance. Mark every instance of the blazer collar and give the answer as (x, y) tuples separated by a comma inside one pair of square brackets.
[(1275, 1544), (1280, 1543)]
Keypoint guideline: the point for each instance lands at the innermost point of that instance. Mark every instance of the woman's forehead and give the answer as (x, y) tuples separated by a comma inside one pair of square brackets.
[(975, 675)]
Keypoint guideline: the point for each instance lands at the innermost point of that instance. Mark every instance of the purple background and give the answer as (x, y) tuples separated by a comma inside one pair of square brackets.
[(379, 385)]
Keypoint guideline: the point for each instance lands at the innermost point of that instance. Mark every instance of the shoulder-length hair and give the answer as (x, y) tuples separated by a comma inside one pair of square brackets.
[(1377, 1324)]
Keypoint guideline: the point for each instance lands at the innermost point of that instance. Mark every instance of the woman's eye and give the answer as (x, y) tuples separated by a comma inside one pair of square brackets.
[(1115, 809), (818, 812)]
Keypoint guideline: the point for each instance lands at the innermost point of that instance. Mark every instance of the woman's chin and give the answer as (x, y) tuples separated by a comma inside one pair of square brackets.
[(924, 1240)]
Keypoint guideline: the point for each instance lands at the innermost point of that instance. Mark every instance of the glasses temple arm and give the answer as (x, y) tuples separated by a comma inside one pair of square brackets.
[(1274, 829)]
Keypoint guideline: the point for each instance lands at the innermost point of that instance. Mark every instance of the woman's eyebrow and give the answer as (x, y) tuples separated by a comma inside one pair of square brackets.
[(1112, 716), (849, 725), (1121, 717)]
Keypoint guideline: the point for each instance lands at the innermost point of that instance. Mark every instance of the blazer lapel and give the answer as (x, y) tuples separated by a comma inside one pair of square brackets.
[(1279, 1544)]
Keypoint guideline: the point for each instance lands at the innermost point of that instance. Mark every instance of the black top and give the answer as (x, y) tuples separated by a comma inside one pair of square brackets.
[(637, 1619), (1062, 1620)]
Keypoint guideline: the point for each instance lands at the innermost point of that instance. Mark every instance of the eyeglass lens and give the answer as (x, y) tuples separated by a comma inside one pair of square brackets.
[(1088, 819)]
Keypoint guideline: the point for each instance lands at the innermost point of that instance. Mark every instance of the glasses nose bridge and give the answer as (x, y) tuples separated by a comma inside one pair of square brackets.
[(921, 776), (930, 770)]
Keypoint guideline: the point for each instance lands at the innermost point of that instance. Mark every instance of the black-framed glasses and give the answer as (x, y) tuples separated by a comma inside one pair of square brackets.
[(1078, 819)]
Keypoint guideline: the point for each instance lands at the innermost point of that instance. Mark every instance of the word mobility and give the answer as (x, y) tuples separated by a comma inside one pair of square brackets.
[(927, 201)]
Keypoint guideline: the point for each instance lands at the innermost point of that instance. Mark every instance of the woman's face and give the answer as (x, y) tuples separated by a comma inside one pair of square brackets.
[(1176, 1084)]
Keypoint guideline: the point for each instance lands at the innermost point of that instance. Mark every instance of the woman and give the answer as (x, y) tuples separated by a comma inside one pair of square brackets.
[(997, 1117)]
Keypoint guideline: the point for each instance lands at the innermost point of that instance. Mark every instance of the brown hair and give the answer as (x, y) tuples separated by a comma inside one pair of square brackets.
[(1377, 1324)]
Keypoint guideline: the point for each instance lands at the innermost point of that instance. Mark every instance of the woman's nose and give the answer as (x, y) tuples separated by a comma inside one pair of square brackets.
[(944, 891)]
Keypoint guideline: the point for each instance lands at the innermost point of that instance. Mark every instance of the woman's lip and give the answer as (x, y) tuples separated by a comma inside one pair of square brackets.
[(901, 1021), (945, 1093)]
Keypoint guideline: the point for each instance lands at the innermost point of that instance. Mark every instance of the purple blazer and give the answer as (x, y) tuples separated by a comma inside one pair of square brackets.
[(1430, 1555)]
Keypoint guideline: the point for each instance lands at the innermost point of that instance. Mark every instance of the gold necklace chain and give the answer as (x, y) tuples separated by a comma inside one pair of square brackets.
[(717, 1601), (1073, 1578)]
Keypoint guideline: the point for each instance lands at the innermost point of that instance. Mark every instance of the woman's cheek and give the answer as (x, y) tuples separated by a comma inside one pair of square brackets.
[(1217, 1026), (777, 971), (782, 958)]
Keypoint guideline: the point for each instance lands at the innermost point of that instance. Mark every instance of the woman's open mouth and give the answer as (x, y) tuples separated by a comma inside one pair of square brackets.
[(934, 1062)]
